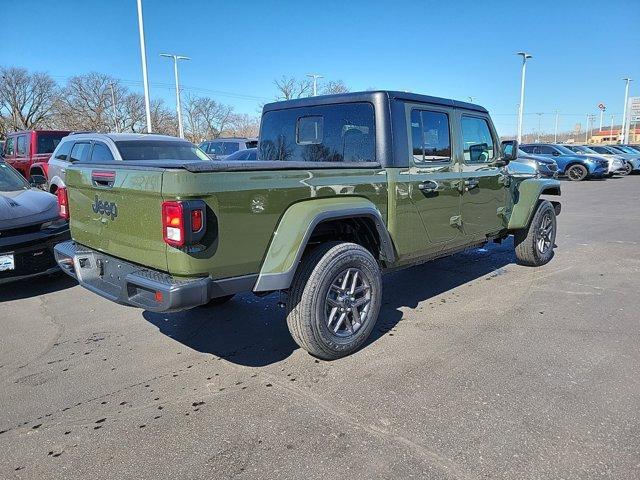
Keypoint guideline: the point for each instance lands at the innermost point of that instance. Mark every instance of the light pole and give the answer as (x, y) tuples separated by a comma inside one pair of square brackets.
[(115, 112), (624, 114), (175, 72), (525, 56), (586, 131), (539, 125), (143, 55), (611, 132), (602, 108), (315, 82), (471, 98)]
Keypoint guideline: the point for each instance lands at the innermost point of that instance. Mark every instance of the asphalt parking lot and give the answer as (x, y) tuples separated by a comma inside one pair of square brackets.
[(479, 368)]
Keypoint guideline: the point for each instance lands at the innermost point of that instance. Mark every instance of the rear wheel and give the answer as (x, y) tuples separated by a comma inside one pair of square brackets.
[(628, 168), (534, 245), (577, 173), (334, 300)]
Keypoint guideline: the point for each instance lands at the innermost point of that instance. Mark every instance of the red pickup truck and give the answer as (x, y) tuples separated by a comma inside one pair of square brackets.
[(29, 151)]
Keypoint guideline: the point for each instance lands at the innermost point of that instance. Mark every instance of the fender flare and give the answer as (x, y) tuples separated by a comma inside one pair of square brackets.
[(526, 198), (43, 166), (296, 227)]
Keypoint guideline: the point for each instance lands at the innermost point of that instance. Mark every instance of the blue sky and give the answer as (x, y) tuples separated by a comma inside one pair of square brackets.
[(451, 49)]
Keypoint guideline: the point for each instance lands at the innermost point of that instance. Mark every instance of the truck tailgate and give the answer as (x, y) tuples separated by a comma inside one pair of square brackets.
[(118, 211)]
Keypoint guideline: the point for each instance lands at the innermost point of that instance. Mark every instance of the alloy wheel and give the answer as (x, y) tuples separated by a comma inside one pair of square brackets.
[(348, 301), (544, 236)]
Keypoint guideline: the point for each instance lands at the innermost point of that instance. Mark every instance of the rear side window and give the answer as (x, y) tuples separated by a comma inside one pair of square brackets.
[(79, 152), (9, 148), (477, 140), (47, 142), (63, 150), (430, 136), (22, 145), (101, 153), (544, 150), (526, 148), (325, 133), (223, 148)]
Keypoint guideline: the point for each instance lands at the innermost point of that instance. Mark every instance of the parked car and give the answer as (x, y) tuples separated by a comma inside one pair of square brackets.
[(575, 167), (426, 178), (30, 226), (544, 166), (110, 147), (632, 159), (616, 164), (28, 151), (247, 155), (635, 148), (221, 148)]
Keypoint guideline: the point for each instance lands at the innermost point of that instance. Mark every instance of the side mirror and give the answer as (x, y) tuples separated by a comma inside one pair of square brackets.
[(509, 152), (37, 181)]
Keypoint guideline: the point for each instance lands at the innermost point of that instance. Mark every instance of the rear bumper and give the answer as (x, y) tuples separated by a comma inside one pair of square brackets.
[(130, 284)]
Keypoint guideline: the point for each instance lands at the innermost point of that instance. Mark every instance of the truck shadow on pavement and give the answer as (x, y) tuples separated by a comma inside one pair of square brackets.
[(252, 331), (34, 287)]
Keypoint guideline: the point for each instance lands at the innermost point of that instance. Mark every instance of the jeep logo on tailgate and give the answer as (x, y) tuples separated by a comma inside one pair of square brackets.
[(110, 209)]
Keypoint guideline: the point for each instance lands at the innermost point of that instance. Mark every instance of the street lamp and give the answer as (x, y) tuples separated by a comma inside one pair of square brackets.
[(624, 114), (524, 56), (175, 72), (315, 82), (143, 55)]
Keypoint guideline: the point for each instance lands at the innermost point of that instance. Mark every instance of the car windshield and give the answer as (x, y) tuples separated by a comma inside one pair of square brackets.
[(159, 150), (626, 149), (581, 149), (564, 150), (10, 180), (48, 141)]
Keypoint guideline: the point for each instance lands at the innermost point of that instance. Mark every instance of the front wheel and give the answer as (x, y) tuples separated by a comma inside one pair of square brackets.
[(628, 168), (577, 173), (534, 245), (334, 300)]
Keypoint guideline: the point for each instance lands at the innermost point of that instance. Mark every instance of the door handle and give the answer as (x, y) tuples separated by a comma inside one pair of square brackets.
[(428, 187)]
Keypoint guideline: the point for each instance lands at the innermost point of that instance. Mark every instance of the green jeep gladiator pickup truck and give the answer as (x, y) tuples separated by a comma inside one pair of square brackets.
[(347, 186)]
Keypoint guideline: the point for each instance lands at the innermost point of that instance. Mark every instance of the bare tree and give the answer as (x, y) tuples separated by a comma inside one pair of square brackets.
[(244, 125), (289, 88), (207, 118), (85, 103), (334, 87), (26, 99)]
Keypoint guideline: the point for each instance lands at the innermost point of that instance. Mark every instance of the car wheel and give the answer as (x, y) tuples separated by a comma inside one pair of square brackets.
[(628, 168), (334, 300), (534, 245), (577, 173)]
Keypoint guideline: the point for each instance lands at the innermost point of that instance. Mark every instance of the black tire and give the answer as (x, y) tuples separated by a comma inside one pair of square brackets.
[(628, 168), (313, 296), (577, 172), (219, 300), (527, 241)]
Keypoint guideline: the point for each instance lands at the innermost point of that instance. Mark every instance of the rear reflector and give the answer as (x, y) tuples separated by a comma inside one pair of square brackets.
[(196, 220), (63, 203)]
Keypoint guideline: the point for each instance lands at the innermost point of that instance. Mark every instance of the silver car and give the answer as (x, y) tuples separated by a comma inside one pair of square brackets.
[(108, 147), (221, 148)]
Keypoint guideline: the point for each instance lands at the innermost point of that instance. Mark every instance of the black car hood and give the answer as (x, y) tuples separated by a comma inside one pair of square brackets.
[(26, 207)]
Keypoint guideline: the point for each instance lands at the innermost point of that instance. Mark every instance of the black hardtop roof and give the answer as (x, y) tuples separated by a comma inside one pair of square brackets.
[(370, 96)]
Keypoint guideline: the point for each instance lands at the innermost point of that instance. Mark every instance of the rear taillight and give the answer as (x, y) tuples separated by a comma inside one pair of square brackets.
[(183, 222), (63, 203)]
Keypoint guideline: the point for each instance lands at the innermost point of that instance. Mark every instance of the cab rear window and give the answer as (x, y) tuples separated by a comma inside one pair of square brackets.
[(325, 133), (158, 150)]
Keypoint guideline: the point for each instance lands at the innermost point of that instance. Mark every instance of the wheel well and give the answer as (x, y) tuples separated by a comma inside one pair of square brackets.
[(575, 163), (360, 230), (53, 188), (36, 171)]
